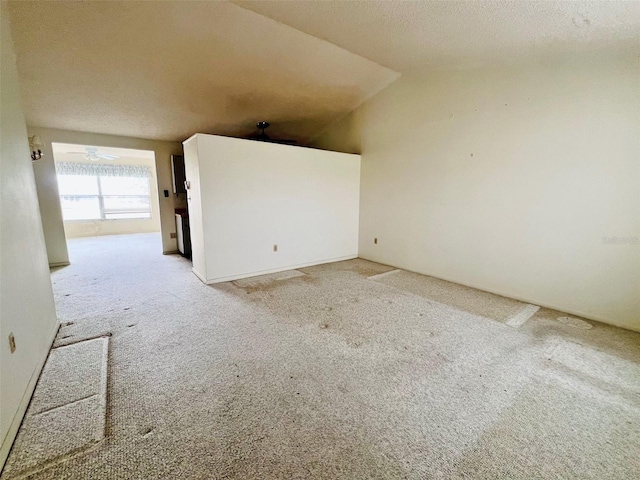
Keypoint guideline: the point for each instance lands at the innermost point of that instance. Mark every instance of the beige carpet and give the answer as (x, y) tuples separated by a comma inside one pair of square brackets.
[(494, 307), (67, 413), (326, 373)]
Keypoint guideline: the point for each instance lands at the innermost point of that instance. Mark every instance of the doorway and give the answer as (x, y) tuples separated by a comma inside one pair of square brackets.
[(106, 191)]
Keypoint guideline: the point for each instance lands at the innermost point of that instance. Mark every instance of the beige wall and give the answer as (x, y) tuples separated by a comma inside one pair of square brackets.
[(26, 295), (508, 180), (248, 196), (91, 228), (48, 189)]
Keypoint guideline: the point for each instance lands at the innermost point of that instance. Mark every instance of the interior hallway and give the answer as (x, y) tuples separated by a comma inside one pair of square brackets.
[(320, 373)]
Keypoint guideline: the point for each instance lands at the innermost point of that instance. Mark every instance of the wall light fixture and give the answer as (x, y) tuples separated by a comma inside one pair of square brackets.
[(35, 143)]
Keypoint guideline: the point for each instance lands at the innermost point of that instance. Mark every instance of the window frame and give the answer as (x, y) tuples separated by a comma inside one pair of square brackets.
[(104, 212)]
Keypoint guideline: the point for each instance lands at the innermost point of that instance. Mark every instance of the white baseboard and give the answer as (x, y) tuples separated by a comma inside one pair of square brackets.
[(199, 275), (59, 264), (9, 438), (273, 270)]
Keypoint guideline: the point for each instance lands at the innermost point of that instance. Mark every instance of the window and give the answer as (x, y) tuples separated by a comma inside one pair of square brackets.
[(103, 192)]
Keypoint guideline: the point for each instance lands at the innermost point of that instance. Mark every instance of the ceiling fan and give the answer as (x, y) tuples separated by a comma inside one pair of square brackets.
[(91, 153), (263, 137)]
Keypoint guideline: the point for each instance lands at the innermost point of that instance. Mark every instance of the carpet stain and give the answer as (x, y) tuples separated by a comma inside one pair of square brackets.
[(452, 295), (575, 322), (266, 283), (358, 266), (417, 389)]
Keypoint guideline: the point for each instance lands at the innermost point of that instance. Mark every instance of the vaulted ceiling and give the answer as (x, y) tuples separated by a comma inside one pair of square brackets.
[(410, 36), (165, 70)]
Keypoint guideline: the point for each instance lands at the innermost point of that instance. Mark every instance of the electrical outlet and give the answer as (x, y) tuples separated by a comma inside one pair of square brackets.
[(375, 240), (275, 248), (12, 342), (173, 235)]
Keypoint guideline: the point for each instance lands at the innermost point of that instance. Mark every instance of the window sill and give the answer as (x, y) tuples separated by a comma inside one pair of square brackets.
[(108, 220)]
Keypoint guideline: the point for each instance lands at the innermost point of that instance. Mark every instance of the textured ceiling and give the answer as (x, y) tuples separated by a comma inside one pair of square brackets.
[(165, 70), (418, 35)]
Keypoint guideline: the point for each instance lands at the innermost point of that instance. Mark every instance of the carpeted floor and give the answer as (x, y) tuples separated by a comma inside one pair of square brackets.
[(321, 373)]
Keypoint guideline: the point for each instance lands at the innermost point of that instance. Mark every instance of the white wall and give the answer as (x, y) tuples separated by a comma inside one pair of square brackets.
[(25, 287), (508, 180), (45, 173), (255, 195)]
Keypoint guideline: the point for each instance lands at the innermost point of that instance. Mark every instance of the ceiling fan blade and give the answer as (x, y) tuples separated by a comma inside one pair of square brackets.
[(263, 137), (108, 156), (281, 140)]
